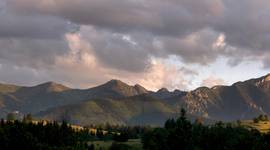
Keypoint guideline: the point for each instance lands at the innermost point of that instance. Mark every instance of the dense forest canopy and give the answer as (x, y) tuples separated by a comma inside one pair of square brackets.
[(179, 133), (184, 135)]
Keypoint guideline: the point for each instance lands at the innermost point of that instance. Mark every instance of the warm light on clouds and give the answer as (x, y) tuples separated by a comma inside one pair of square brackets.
[(212, 81), (162, 75), (81, 66), (220, 43), (174, 44)]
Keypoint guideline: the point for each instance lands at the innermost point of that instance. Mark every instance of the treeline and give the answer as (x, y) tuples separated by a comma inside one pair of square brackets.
[(29, 134), (130, 132), (182, 134), (260, 118), (51, 136)]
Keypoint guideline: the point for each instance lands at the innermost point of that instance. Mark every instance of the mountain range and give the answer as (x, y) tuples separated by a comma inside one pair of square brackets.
[(116, 102)]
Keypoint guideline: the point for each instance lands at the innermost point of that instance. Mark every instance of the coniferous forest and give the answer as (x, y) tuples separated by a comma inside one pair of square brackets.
[(177, 134), (181, 134), (52, 136)]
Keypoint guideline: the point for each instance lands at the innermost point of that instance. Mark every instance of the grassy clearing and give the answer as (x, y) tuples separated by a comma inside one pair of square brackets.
[(262, 126), (105, 145)]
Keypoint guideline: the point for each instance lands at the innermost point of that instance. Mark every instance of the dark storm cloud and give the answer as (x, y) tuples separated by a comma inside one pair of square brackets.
[(13, 74), (34, 53), (196, 48), (19, 25), (160, 17), (32, 40), (244, 22), (120, 50), (14, 26)]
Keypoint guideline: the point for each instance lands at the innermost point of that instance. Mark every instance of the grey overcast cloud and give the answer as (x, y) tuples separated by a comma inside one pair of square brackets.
[(174, 43)]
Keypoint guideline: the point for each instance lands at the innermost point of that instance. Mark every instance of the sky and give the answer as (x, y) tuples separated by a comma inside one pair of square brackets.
[(177, 44)]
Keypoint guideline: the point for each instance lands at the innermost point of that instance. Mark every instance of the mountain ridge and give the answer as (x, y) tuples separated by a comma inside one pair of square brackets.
[(241, 100)]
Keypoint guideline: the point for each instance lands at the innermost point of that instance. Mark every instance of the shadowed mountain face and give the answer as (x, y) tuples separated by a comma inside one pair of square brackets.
[(242, 100), (130, 110), (119, 103), (50, 95)]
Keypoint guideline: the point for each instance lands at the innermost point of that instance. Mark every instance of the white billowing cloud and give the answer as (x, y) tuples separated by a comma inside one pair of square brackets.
[(212, 81), (79, 67), (220, 42), (82, 67), (169, 76)]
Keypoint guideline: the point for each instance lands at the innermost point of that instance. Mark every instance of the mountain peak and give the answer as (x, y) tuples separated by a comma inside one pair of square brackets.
[(163, 90), (263, 82), (49, 83), (177, 91), (116, 88), (267, 77), (260, 81), (140, 89), (115, 82), (53, 87)]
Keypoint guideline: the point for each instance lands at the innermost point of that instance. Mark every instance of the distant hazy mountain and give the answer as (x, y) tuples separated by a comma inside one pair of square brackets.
[(119, 103), (164, 93)]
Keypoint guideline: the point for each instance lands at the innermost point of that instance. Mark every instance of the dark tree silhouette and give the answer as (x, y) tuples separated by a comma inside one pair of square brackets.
[(183, 135), (52, 136)]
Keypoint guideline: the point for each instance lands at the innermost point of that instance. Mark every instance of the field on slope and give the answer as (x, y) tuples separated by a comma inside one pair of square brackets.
[(135, 144), (262, 126)]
